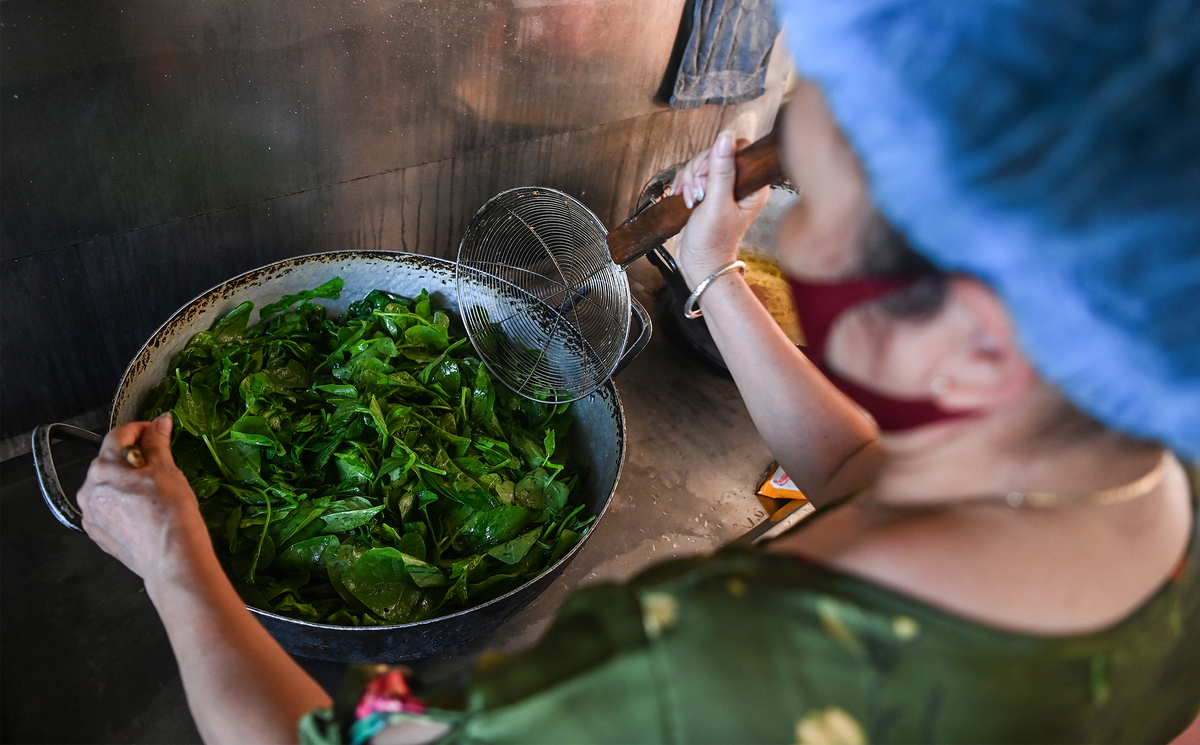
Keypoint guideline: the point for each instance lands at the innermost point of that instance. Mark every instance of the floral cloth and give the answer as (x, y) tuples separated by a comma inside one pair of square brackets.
[(750, 647), (383, 697)]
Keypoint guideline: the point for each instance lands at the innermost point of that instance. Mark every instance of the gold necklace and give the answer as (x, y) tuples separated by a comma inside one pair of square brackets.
[(1049, 500)]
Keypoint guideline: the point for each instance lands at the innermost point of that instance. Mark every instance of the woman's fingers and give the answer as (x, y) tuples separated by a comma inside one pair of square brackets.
[(151, 438), (722, 171), (713, 233), (156, 440), (758, 199), (120, 438), (721, 168), (690, 180)]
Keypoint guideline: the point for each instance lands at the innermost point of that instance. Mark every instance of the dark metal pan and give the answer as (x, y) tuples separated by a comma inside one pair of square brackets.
[(597, 437)]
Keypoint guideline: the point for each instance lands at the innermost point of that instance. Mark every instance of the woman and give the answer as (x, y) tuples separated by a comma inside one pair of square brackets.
[(999, 557)]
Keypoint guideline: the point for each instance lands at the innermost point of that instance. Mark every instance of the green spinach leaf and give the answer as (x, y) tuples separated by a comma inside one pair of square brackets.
[(366, 470)]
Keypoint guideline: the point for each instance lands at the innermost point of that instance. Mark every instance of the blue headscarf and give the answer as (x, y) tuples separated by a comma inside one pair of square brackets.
[(1052, 149)]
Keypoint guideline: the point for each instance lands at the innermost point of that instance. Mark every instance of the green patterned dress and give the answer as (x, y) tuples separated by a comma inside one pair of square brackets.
[(744, 646)]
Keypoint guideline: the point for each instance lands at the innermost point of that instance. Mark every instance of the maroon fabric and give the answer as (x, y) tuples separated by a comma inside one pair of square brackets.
[(819, 306)]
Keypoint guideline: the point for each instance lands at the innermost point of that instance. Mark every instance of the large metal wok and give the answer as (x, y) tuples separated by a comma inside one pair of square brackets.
[(597, 437)]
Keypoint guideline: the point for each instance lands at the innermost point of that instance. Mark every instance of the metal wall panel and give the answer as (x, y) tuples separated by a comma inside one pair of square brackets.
[(153, 149)]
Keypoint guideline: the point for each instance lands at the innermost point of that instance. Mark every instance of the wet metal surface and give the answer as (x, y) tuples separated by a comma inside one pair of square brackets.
[(159, 111), (151, 150)]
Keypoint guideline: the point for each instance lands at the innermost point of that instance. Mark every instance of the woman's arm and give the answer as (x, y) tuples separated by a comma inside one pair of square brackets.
[(241, 685), (821, 438)]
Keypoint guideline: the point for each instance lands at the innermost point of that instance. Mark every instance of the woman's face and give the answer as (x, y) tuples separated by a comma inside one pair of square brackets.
[(820, 240)]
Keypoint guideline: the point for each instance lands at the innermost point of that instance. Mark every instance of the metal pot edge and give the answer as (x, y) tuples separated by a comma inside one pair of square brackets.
[(224, 290)]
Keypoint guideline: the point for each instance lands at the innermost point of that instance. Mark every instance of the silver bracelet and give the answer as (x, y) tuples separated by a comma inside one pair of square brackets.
[(690, 308)]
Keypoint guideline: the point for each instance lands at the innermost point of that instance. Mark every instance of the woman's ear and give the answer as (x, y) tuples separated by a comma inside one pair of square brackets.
[(983, 368)]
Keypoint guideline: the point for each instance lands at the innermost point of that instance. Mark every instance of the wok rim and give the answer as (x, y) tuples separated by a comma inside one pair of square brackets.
[(163, 334)]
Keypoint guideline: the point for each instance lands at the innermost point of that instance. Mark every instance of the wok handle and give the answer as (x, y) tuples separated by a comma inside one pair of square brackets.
[(757, 166), (645, 330), (43, 463)]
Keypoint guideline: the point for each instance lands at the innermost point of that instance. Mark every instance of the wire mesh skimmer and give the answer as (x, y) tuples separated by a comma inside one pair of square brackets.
[(545, 307), (542, 288)]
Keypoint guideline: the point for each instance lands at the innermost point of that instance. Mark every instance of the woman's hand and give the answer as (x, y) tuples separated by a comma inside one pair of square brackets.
[(241, 686), (713, 233), (146, 517)]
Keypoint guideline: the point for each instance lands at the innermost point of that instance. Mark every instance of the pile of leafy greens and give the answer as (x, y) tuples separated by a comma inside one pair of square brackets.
[(365, 470)]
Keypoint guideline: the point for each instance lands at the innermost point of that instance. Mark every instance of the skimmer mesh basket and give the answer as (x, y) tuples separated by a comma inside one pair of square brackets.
[(542, 301)]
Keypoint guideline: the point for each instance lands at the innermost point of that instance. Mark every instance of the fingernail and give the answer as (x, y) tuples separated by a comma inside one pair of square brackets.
[(687, 197), (724, 146), (164, 423), (699, 195)]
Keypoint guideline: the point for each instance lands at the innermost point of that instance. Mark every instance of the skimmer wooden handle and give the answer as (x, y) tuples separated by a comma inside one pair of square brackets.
[(757, 166)]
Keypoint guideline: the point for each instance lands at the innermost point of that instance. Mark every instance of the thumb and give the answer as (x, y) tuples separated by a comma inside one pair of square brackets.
[(156, 440), (722, 170)]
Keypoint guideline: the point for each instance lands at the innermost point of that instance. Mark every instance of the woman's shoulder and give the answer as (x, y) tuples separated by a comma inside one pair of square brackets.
[(1060, 571), (797, 643)]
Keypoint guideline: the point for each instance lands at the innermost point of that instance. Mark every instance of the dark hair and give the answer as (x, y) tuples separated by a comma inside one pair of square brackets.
[(886, 253)]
